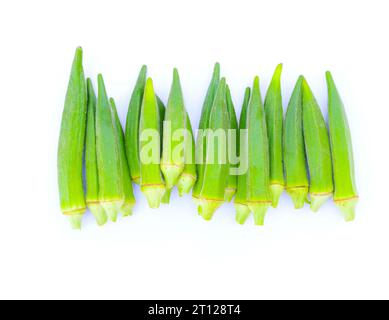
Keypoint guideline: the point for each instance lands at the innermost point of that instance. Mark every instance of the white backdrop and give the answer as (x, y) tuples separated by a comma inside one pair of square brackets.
[(171, 252)]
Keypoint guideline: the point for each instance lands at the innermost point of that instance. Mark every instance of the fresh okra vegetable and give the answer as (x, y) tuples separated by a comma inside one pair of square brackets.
[(274, 119), (232, 138), (201, 138), (188, 176), (91, 170), (152, 184), (345, 193), (132, 126), (71, 145), (240, 201), (216, 169), (174, 125), (111, 191), (129, 199), (296, 176), (258, 195), (317, 148)]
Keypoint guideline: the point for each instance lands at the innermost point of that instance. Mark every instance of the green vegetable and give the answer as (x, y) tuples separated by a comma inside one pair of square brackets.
[(201, 146), (296, 176), (172, 162), (152, 184), (111, 191), (129, 199), (188, 176), (132, 126), (216, 168), (317, 148), (258, 195), (345, 194), (91, 170), (274, 119), (240, 201), (232, 138), (71, 145)]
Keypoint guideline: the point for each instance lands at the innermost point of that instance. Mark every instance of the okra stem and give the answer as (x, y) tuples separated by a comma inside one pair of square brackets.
[(108, 157), (296, 176), (317, 148), (129, 199), (274, 123), (71, 145), (91, 170), (345, 193), (152, 184)]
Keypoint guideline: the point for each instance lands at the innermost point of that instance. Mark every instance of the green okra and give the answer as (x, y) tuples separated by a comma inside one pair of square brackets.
[(129, 199), (132, 126), (233, 138), (203, 125), (216, 169), (91, 170), (111, 193), (317, 149), (240, 201), (274, 123), (174, 126), (345, 190), (188, 176), (71, 145), (151, 182), (258, 195), (296, 176)]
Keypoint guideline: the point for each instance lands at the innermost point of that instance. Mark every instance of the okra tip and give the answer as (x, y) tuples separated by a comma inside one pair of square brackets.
[(347, 207), (256, 82), (78, 54), (75, 221), (242, 213)]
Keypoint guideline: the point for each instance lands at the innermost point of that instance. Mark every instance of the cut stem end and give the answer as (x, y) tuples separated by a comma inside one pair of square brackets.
[(317, 200), (242, 213), (299, 196), (153, 195), (275, 191)]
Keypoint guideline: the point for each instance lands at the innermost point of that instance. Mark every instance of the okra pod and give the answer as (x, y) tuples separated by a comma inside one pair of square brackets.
[(129, 199), (111, 191), (345, 190), (91, 170), (71, 145), (296, 176), (232, 138), (258, 195), (132, 126), (317, 148), (216, 169), (152, 184), (274, 123), (240, 201), (174, 125), (188, 176), (203, 125)]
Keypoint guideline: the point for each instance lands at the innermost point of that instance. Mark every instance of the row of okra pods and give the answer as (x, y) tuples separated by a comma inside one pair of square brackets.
[(297, 153)]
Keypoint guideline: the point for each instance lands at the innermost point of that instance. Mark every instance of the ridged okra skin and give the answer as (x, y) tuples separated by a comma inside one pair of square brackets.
[(203, 125), (258, 176), (151, 182), (211, 192), (188, 176), (345, 190), (274, 123), (233, 141), (129, 199), (91, 170), (132, 126), (111, 191), (317, 147), (240, 201), (296, 176), (71, 145), (174, 126)]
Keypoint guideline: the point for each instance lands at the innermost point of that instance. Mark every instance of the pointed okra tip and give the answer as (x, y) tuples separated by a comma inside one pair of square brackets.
[(176, 76), (277, 72), (78, 54), (216, 70), (256, 82)]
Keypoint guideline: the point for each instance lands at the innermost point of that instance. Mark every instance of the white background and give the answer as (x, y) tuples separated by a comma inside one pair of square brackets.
[(171, 252)]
